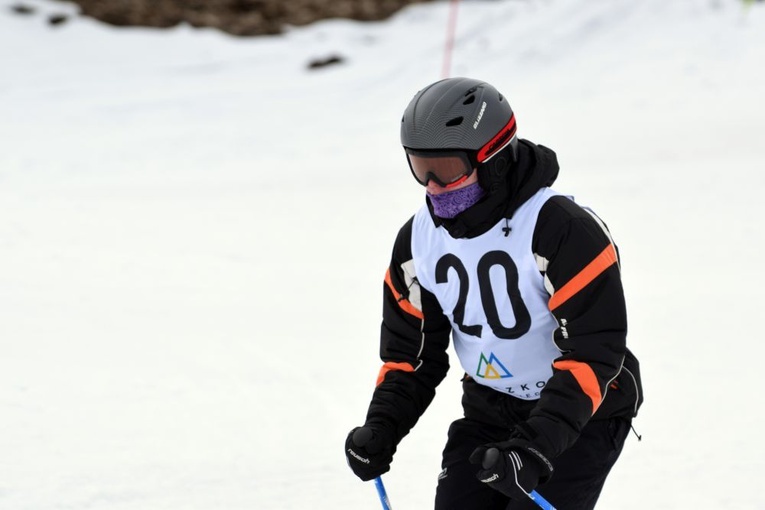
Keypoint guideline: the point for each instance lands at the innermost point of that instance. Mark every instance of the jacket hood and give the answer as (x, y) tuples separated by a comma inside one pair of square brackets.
[(536, 167)]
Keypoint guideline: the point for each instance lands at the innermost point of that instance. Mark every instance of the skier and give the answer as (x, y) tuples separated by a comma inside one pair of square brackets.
[(528, 284)]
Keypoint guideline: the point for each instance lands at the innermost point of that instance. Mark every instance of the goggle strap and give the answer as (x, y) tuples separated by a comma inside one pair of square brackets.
[(499, 142)]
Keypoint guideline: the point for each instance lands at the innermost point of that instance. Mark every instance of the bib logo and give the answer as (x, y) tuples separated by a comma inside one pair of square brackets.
[(491, 368)]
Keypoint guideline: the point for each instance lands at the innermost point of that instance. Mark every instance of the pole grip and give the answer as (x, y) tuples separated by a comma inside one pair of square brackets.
[(490, 458)]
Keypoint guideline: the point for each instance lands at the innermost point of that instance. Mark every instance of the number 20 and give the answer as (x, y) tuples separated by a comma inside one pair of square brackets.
[(491, 259)]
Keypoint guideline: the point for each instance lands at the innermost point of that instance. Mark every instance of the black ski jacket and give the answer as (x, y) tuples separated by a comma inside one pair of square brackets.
[(595, 377)]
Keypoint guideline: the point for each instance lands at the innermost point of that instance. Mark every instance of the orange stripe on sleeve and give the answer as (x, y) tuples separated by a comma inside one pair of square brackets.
[(599, 264), (402, 301), (392, 365), (586, 378)]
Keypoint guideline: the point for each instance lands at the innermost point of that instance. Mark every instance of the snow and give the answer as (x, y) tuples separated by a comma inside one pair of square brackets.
[(194, 229)]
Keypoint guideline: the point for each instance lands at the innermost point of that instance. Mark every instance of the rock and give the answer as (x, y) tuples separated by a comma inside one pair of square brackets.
[(324, 62), (23, 9), (57, 19)]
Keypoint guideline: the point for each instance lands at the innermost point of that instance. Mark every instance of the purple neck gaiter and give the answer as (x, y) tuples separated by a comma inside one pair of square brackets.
[(451, 203)]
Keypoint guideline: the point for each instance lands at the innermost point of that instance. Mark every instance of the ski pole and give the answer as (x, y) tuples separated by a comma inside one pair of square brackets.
[(539, 500), (490, 457), (384, 495)]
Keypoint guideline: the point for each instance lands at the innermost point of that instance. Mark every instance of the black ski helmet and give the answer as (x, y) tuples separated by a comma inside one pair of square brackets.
[(468, 115)]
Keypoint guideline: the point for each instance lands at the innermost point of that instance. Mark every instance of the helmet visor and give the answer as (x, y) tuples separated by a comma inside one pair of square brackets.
[(447, 168)]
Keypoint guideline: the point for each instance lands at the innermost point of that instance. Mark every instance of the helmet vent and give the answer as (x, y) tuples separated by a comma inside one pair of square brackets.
[(469, 100), (456, 121)]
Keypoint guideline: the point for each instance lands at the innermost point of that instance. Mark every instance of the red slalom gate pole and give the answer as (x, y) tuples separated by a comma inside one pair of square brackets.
[(449, 47)]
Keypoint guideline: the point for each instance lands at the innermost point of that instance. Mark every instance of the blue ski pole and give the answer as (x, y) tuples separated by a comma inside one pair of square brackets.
[(384, 495), (490, 457), (539, 500)]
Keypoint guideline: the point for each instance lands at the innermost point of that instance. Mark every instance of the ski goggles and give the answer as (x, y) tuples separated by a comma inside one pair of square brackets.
[(446, 168), (450, 168)]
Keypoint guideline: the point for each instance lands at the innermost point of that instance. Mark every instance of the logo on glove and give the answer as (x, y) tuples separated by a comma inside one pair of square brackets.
[(358, 457)]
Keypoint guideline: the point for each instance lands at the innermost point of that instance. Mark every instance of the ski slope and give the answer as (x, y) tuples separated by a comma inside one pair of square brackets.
[(194, 230)]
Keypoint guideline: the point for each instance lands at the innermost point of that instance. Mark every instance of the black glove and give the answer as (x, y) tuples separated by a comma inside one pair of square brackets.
[(514, 468), (369, 450)]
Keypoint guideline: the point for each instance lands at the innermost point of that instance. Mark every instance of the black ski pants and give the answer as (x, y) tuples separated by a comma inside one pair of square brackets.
[(580, 471)]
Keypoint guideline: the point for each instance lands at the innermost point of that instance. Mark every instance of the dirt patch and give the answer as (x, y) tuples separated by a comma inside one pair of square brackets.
[(237, 17)]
